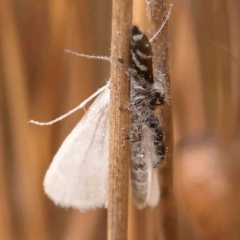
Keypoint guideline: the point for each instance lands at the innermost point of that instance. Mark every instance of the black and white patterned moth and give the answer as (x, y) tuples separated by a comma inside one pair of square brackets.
[(147, 93)]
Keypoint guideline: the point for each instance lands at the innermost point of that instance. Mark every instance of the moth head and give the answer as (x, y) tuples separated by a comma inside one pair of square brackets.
[(135, 30)]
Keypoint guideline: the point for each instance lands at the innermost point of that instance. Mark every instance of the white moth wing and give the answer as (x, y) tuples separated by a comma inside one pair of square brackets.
[(154, 190), (153, 195), (78, 174)]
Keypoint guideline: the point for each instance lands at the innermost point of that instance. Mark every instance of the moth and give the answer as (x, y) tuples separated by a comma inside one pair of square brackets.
[(148, 91), (78, 174)]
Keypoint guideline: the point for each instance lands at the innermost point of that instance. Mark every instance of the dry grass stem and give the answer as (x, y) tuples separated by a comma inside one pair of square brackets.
[(157, 12), (119, 122)]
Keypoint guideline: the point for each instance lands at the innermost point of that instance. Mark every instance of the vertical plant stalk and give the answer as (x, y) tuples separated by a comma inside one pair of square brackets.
[(119, 152), (157, 12)]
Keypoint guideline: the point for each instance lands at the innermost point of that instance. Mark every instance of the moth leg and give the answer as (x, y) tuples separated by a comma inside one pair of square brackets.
[(133, 138), (120, 60), (129, 70), (124, 107)]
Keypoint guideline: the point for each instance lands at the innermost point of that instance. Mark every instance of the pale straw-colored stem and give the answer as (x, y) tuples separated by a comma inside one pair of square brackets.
[(119, 151), (158, 12)]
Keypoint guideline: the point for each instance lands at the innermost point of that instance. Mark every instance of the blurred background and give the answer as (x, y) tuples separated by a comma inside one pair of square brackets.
[(39, 81)]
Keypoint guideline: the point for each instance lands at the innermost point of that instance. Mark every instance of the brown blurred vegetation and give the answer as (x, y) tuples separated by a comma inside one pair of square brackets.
[(39, 81)]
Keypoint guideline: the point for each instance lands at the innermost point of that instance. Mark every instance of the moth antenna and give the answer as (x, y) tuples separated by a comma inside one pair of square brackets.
[(163, 24), (81, 105), (105, 58)]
